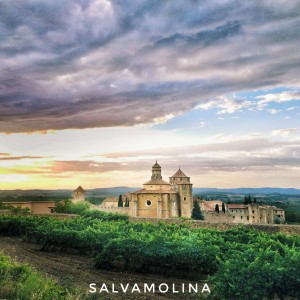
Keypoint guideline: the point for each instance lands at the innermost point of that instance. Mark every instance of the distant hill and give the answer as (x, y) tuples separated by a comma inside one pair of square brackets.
[(113, 190), (124, 189), (264, 190)]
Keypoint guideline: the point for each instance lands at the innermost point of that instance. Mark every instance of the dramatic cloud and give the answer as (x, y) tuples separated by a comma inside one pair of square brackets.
[(100, 63), (20, 157)]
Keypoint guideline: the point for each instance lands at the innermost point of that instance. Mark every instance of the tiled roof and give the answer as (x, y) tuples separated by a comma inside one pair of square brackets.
[(156, 165), (156, 182), (80, 189), (158, 191), (179, 173), (211, 204)]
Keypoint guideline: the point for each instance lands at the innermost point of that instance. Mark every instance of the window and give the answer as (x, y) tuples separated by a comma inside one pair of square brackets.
[(247, 217), (184, 198), (253, 217), (234, 217), (253, 211), (148, 203), (241, 217)]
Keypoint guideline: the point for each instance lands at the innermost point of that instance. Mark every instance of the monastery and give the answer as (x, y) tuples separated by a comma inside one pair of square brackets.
[(161, 199)]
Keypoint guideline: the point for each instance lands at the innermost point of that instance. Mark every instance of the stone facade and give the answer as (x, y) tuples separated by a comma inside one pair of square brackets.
[(160, 199), (112, 201), (78, 194), (242, 213), (36, 207)]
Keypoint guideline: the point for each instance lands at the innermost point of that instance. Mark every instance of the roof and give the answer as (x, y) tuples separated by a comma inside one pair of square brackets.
[(111, 199), (210, 205), (179, 173), (80, 189), (156, 165), (156, 182), (237, 206), (159, 191)]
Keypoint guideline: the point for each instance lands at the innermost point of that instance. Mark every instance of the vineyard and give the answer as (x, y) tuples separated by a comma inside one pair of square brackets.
[(240, 263), (19, 281)]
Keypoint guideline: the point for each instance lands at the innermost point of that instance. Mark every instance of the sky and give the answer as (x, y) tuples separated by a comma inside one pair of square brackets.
[(93, 92)]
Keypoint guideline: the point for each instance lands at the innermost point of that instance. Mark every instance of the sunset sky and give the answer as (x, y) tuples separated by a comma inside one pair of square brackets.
[(93, 92)]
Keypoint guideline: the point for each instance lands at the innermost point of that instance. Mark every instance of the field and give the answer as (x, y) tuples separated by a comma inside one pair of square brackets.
[(238, 263)]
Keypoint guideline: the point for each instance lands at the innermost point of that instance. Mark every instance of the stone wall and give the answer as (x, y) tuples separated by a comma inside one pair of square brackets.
[(118, 210), (41, 207), (270, 228), (214, 217)]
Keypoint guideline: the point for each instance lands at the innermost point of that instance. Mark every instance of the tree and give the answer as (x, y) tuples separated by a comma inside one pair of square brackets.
[(249, 199), (120, 202), (126, 203), (246, 200), (254, 200), (223, 207), (217, 209), (196, 212)]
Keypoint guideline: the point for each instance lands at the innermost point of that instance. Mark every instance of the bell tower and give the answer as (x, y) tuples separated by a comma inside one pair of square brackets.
[(156, 172), (185, 191)]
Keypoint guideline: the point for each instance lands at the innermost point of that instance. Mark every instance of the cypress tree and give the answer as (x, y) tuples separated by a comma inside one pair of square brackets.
[(196, 212), (249, 199), (217, 209), (120, 202), (223, 207)]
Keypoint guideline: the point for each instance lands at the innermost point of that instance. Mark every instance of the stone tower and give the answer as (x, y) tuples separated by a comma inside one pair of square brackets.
[(156, 172), (185, 191), (78, 194)]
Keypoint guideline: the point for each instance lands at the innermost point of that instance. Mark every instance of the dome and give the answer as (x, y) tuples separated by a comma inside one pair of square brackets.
[(156, 165)]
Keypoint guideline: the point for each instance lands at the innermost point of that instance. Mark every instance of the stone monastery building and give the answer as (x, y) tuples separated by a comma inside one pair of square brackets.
[(161, 199)]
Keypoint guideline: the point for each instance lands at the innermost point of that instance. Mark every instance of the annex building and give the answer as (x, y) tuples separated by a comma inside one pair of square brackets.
[(161, 199)]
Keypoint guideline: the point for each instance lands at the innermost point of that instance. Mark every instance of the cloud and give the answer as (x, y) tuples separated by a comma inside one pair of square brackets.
[(225, 105), (285, 96), (274, 111), (202, 124), (8, 157), (284, 131), (99, 63)]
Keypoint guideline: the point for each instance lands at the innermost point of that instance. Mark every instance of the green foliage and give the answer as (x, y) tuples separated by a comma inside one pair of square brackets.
[(217, 209), (259, 273), (120, 202), (94, 200), (243, 263), (67, 206), (21, 282), (247, 199), (15, 210), (196, 212), (223, 207), (126, 203)]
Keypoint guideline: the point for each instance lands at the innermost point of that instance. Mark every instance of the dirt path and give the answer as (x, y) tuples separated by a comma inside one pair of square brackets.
[(79, 271)]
